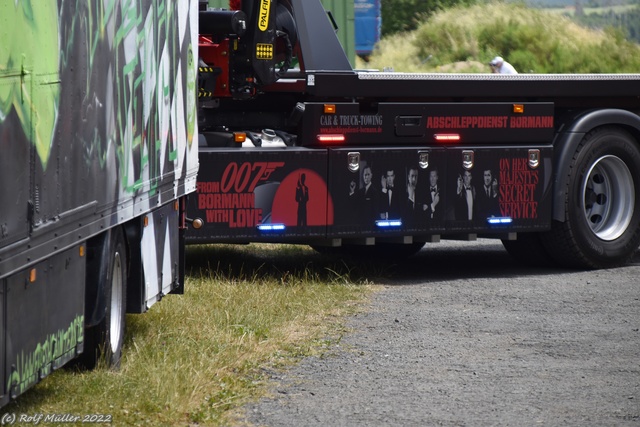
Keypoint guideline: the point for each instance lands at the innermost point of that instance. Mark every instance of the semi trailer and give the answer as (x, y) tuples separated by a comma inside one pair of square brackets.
[(97, 157)]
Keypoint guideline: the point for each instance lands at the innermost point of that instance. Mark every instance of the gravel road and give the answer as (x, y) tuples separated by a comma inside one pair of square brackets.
[(464, 336)]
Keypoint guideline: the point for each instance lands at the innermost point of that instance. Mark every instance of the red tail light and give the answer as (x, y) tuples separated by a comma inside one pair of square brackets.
[(331, 138), (447, 137)]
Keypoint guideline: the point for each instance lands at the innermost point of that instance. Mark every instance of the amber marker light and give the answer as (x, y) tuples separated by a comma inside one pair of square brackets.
[(32, 275), (329, 108), (518, 108), (239, 137)]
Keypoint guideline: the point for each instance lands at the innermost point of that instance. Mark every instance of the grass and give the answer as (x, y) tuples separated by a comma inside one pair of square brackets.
[(194, 358), (464, 39)]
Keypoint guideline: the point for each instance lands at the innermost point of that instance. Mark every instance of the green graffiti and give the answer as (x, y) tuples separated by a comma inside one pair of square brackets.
[(29, 368), (191, 96), (126, 58), (146, 97), (30, 55)]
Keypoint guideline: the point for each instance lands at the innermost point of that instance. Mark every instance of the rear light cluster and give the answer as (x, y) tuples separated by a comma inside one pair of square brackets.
[(331, 138)]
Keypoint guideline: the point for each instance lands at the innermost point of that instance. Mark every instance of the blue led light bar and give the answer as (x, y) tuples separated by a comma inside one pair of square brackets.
[(500, 220), (271, 227), (386, 223)]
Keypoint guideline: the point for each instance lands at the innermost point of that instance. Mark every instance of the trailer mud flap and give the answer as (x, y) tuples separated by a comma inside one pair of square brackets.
[(431, 191), (44, 308), (260, 195)]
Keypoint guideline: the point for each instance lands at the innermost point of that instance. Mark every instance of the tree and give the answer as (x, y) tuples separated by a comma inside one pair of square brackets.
[(405, 15)]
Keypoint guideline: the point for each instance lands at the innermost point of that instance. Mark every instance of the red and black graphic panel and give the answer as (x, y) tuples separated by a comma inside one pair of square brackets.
[(387, 192), (472, 122), (496, 188), (416, 123), (260, 195)]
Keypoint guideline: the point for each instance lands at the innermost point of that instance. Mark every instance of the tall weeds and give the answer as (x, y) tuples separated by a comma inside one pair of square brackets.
[(246, 311)]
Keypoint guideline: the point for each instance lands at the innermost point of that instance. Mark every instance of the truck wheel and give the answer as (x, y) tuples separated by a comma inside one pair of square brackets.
[(529, 250), (103, 342), (602, 203)]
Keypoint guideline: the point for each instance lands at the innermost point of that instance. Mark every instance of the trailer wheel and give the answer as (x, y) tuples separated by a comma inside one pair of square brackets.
[(103, 342), (602, 203)]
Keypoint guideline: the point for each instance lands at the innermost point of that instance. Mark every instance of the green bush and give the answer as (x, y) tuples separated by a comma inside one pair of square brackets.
[(464, 39), (406, 15)]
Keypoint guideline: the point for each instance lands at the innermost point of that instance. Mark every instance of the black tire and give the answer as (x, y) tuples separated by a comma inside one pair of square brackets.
[(103, 342), (529, 250), (601, 228)]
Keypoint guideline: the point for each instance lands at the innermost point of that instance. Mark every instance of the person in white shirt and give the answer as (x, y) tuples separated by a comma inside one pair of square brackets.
[(500, 66)]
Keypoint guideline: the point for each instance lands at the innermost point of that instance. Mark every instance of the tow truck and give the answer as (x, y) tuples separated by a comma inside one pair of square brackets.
[(298, 147)]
